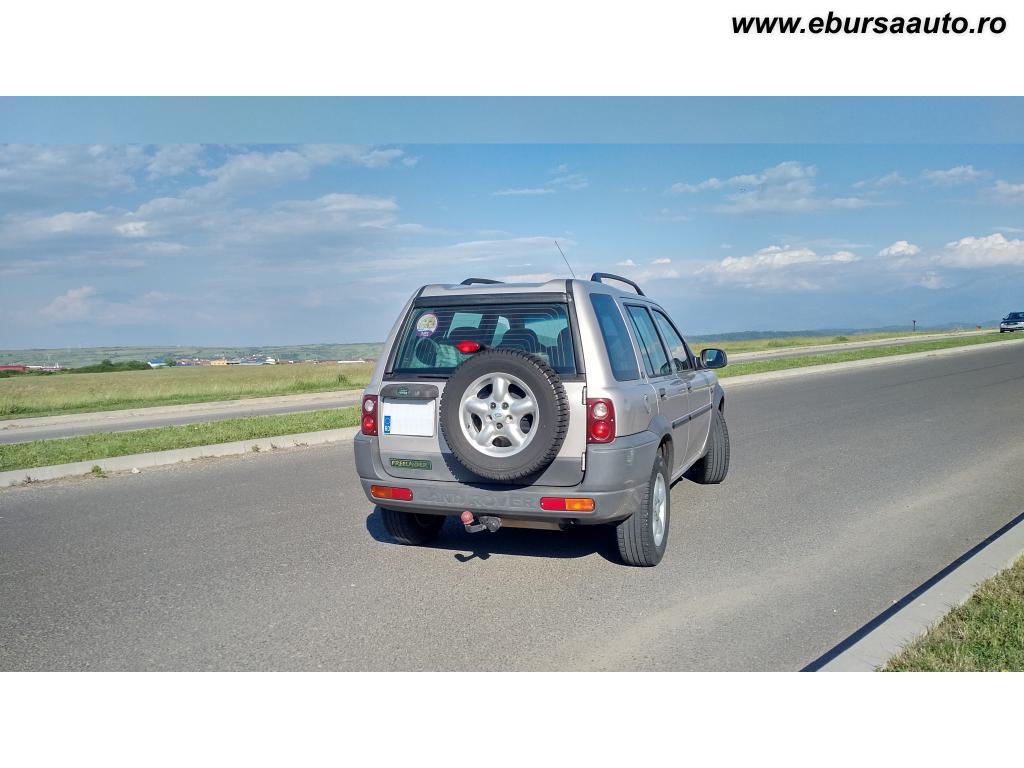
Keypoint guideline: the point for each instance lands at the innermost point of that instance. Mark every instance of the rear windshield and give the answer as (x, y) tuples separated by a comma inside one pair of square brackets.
[(427, 344)]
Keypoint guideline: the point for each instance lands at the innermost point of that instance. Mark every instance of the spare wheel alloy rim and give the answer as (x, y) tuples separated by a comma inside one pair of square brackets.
[(498, 415)]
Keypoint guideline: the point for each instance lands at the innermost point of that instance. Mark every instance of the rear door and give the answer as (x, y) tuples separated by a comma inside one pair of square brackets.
[(426, 352), (672, 391), (698, 386)]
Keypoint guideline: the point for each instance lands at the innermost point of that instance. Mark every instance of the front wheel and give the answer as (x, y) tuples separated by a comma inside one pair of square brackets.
[(643, 536), (410, 527)]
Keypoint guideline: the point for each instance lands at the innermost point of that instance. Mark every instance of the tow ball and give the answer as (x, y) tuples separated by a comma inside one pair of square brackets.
[(474, 524)]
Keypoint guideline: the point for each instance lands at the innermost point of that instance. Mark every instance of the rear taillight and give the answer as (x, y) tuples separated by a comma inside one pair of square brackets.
[(369, 414), (468, 347), (600, 420)]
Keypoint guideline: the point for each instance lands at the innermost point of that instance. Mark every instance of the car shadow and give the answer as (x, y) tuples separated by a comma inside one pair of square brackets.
[(517, 542)]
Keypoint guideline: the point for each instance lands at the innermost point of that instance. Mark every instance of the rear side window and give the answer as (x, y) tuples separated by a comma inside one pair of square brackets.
[(616, 337), (427, 344), (655, 359)]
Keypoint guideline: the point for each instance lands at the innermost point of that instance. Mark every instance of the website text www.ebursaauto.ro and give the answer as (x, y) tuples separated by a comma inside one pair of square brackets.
[(834, 24)]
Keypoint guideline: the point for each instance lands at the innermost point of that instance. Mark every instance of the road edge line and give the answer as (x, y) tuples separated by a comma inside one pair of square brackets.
[(174, 456), (877, 641)]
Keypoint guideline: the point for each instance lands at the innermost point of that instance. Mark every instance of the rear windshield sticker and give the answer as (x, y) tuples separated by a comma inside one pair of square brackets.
[(426, 325)]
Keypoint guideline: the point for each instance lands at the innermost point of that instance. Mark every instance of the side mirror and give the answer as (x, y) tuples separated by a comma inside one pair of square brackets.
[(713, 358)]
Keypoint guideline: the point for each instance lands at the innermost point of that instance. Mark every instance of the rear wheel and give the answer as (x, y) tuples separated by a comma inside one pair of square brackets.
[(411, 527), (715, 465), (643, 536)]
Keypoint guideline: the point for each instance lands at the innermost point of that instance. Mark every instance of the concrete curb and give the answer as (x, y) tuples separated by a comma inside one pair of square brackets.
[(162, 458), (173, 410), (887, 634), (871, 362)]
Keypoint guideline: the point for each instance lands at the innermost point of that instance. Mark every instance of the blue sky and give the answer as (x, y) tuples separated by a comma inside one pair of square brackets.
[(273, 244)]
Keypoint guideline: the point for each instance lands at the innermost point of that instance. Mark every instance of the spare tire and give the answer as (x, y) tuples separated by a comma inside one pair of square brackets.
[(504, 414)]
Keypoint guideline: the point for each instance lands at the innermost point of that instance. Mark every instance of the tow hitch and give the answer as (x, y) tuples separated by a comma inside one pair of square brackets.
[(474, 524)]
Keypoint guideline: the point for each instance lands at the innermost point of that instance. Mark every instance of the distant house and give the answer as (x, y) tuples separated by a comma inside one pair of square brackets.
[(220, 361), (15, 368), (156, 363)]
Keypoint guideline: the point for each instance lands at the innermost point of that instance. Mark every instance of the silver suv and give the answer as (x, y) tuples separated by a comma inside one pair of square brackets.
[(540, 405)]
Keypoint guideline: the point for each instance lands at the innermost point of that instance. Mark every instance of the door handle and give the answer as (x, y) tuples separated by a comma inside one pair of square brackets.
[(661, 393)]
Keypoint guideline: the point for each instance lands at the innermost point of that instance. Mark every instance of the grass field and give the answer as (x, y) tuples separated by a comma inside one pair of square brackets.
[(764, 366), (32, 395), (985, 634), (42, 453)]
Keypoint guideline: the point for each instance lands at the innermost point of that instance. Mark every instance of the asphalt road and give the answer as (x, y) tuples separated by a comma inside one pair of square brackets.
[(846, 491), (48, 428)]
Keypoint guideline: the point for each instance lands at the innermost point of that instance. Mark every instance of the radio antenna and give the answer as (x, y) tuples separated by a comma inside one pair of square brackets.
[(565, 260)]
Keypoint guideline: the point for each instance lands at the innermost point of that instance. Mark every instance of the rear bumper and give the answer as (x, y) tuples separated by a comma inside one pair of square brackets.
[(616, 478)]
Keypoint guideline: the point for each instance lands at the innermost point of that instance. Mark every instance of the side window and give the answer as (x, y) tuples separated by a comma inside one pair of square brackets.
[(616, 337), (676, 348), (655, 359)]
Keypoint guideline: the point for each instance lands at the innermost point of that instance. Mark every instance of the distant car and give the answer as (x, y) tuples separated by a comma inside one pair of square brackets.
[(1012, 322)]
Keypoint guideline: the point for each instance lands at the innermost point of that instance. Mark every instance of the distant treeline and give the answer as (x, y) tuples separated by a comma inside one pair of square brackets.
[(104, 366)]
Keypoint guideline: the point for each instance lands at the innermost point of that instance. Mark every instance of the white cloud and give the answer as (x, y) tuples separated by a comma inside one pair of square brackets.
[(900, 248), (1005, 192), (788, 187), (893, 179), (561, 178), (34, 174), (933, 281), (174, 160), (626, 263), (75, 305), (777, 269), (662, 261), (86, 305), (681, 187), (572, 181), (960, 174), (980, 252), (246, 171)]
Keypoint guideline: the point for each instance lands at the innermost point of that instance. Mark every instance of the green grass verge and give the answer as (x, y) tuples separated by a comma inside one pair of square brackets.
[(47, 395), (985, 634), (764, 366), (42, 453), (787, 342)]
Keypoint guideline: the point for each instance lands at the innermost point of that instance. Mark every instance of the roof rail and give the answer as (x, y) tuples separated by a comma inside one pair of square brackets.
[(596, 277), (479, 281)]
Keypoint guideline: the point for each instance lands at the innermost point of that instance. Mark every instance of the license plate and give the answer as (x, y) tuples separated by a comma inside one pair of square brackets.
[(405, 417)]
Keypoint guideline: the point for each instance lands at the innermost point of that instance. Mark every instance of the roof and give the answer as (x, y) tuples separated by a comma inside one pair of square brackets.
[(558, 285)]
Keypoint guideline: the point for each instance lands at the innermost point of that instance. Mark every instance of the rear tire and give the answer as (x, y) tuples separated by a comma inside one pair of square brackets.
[(410, 527), (714, 466), (643, 536)]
